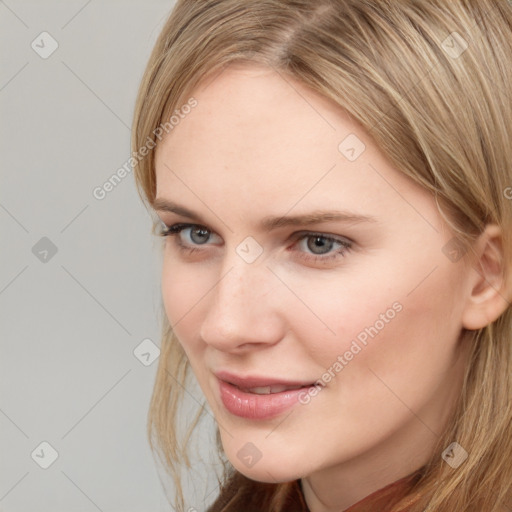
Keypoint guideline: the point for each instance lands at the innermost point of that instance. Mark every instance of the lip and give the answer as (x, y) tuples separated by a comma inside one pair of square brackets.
[(253, 406), (251, 381)]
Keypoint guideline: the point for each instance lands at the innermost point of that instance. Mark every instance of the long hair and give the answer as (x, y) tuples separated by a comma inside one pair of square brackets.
[(430, 81)]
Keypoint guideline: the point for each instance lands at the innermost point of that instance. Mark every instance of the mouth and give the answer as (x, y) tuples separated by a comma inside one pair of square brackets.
[(261, 385), (261, 402), (268, 390), (258, 398)]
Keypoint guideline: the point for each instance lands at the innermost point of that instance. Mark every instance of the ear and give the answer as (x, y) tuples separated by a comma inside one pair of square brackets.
[(489, 293)]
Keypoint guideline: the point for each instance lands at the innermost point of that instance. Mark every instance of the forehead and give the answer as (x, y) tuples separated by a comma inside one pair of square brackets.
[(251, 120), (266, 140), (244, 110)]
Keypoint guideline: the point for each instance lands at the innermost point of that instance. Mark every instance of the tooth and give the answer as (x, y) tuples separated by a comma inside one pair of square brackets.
[(263, 390), (266, 390), (278, 389)]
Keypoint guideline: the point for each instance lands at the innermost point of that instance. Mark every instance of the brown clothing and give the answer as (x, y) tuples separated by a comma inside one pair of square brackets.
[(380, 500), (244, 495)]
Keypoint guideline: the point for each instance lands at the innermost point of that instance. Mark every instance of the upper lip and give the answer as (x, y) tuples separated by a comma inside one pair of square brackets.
[(255, 381)]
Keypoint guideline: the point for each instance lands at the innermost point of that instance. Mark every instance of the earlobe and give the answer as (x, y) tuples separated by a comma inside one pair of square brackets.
[(489, 292)]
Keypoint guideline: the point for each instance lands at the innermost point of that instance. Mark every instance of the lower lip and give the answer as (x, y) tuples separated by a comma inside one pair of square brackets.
[(257, 407)]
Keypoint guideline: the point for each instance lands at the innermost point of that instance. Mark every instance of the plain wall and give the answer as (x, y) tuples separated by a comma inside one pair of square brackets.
[(79, 276)]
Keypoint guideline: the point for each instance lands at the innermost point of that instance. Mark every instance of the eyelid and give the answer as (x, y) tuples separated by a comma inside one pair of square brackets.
[(165, 228), (295, 236), (338, 238), (164, 225), (346, 244)]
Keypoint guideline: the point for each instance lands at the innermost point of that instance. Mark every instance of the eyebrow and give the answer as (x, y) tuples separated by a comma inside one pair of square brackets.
[(271, 223)]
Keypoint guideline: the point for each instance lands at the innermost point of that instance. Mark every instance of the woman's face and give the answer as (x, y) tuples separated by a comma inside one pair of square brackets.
[(368, 304)]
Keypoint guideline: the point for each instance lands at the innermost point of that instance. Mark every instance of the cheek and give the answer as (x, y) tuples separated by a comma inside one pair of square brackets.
[(182, 291), (175, 292), (404, 361), (384, 322), (348, 326)]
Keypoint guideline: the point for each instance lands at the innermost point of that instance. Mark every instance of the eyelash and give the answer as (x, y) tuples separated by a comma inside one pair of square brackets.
[(175, 229)]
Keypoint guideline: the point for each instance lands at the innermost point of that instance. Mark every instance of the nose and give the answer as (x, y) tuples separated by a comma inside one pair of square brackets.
[(243, 311)]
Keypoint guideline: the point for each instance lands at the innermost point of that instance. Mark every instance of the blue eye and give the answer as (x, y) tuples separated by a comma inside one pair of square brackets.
[(199, 235), (320, 245)]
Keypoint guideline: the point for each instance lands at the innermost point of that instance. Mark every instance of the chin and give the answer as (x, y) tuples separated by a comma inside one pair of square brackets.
[(268, 472)]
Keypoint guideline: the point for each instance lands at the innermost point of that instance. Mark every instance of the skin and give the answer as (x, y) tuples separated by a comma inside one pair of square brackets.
[(257, 145)]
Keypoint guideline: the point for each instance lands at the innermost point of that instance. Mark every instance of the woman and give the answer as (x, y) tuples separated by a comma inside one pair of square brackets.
[(333, 179)]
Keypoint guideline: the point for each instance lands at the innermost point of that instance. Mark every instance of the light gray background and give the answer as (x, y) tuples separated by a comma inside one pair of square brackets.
[(70, 322)]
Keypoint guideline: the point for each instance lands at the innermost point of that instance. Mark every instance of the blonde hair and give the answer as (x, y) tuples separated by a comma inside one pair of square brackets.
[(430, 81)]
